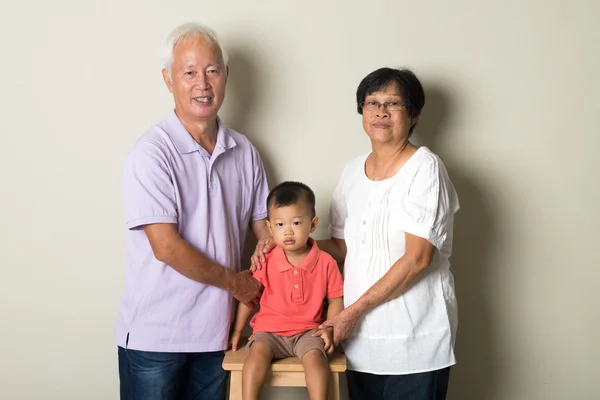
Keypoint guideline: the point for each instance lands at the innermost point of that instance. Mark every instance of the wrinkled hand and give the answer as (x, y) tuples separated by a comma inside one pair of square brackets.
[(246, 289), (234, 340), (342, 325), (262, 247), (327, 335)]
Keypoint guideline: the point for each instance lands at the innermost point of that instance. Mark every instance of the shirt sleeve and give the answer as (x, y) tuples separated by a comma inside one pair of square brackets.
[(148, 192), (337, 211), (261, 189), (335, 282), (261, 274), (430, 203)]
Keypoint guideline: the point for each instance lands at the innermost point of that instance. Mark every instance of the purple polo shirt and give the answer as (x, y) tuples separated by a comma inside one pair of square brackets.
[(169, 178)]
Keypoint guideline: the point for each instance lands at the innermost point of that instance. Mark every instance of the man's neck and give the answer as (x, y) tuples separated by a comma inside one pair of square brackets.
[(204, 131)]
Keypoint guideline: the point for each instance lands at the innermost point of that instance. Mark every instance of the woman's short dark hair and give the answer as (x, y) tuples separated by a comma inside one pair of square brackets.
[(409, 85), (290, 193)]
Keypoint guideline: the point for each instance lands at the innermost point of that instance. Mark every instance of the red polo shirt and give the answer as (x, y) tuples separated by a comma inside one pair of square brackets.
[(292, 301)]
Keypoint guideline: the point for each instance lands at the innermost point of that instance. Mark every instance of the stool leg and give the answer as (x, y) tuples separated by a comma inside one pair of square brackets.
[(235, 385), (334, 387)]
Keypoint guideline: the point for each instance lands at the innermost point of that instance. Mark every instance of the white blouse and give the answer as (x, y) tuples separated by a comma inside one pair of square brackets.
[(414, 332)]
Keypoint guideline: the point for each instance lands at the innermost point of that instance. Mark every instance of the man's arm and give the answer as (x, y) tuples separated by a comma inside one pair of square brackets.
[(265, 243), (169, 247), (260, 229)]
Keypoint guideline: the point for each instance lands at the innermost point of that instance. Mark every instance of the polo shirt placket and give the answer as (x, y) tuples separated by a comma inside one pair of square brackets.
[(297, 278)]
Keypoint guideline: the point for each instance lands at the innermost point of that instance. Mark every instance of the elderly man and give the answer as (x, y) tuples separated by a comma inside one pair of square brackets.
[(192, 187)]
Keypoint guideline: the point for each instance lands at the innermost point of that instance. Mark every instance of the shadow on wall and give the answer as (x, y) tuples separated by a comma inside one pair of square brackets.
[(473, 376), (245, 86), (243, 97)]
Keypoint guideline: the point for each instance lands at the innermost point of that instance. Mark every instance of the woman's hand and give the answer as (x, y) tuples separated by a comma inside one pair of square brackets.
[(327, 335), (343, 324), (262, 247)]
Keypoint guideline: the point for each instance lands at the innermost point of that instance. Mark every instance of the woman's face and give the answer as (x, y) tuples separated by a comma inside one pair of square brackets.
[(386, 126)]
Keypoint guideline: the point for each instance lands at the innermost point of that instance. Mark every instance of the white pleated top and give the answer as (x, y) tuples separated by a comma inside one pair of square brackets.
[(416, 331)]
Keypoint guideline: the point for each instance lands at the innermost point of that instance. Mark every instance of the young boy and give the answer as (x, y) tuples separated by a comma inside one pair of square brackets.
[(298, 278)]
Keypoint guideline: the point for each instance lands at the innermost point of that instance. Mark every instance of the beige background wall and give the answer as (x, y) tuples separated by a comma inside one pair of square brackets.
[(512, 108)]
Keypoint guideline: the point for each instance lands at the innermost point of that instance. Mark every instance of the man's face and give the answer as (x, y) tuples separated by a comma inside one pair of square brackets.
[(198, 79)]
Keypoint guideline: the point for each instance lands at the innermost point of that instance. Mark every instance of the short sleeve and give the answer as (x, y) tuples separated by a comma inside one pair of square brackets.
[(430, 203), (148, 192), (335, 282), (338, 212), (261, 189), (261, 274)]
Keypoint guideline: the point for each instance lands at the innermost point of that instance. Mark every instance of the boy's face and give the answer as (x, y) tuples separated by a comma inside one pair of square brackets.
[(291, 225)]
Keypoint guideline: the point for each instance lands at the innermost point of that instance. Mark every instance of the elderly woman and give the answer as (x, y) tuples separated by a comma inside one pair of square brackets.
[(391, 225), (392, 216)]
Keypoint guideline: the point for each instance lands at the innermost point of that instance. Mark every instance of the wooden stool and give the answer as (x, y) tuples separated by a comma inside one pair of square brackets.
[(284, 372)]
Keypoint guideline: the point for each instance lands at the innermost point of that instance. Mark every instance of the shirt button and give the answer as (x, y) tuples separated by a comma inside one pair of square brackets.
[(295, 272), (296, 286)]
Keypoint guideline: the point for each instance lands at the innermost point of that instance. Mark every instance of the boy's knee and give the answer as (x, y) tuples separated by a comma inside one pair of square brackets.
[(260, 349), (314, 356)]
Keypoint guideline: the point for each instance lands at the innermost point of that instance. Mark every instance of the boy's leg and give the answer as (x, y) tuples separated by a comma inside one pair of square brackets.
[(258, 362), (316, 371), (207, 379), (312, 353), (147, 375)]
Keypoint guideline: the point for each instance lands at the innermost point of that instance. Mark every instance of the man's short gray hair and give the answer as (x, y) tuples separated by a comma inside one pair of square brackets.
[(190, 30)]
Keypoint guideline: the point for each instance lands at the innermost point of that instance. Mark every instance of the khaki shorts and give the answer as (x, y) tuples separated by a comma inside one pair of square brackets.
[(289, 346)]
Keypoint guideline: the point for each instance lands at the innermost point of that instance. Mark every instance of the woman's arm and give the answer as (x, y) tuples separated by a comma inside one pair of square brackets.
[(399, 278), (335, 247), (404, 272), (336, 305)]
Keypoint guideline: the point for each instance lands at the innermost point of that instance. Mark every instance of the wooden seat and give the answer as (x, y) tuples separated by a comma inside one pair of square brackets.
[(284, 372)]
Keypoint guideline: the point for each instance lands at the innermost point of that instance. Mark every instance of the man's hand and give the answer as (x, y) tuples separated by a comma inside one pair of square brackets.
[(234, 340), (342, 325), (246, 289), (262, 247), (327, 335)]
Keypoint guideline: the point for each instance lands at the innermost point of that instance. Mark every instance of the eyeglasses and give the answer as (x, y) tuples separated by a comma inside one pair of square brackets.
[(388, 105)]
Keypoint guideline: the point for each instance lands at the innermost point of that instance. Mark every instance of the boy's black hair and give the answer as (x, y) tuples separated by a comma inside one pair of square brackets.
[(290, 193)]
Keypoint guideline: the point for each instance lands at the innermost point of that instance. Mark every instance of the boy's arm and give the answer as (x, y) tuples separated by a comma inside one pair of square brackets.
[(241, 319), (335, 307)]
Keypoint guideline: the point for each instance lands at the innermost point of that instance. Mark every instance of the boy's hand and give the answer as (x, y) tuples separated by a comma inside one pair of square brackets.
[(234, 340), (262, 247), (327, 335)]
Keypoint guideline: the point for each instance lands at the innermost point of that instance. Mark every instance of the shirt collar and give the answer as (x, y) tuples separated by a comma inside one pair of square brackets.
[(308, 264), (185, 143)]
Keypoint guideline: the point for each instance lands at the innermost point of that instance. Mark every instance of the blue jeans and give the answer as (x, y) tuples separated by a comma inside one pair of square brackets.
[(430, 385), (146, 375)]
